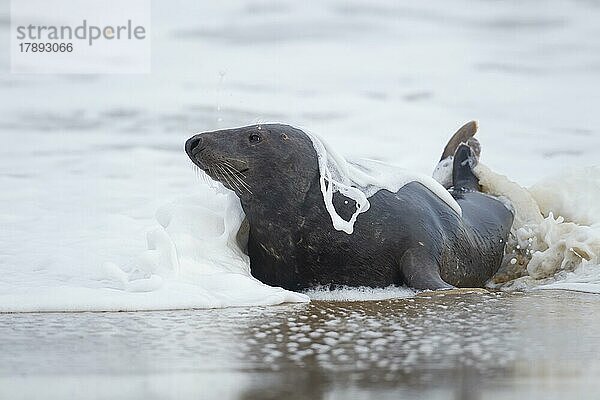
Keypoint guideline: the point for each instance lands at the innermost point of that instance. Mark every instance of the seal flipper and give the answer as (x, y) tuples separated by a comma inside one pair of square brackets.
[(463, 135), (421, 271), (463, 177), (443, 170)]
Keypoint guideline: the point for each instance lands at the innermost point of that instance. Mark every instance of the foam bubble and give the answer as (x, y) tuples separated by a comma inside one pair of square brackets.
[(361, 178), (555, 238), (346, 293)]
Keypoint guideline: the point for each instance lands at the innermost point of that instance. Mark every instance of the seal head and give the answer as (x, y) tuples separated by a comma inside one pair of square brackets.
[(257, 162)]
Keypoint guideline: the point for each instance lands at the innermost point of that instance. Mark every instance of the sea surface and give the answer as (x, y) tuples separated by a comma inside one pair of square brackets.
[(96, 192)]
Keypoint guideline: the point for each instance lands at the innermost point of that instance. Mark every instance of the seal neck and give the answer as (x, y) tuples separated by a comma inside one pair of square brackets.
[(278, 229), (284, 207)]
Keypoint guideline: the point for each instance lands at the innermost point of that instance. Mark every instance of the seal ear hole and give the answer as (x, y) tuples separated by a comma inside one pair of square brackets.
[(284, 136), (254, 138)]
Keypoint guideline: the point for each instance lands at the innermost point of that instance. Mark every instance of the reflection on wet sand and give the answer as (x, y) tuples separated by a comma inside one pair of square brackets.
[(461, 345), (389, 347)]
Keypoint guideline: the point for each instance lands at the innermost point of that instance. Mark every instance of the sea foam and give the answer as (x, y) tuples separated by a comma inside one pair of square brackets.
[(193, 258), (555, 238)]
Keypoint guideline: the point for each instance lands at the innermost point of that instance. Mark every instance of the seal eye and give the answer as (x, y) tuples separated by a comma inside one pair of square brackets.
[(254, 138)]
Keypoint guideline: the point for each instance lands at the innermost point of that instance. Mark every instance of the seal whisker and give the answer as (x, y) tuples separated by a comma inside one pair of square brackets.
[(233, 182), (204, 176), (234, 168), (241, 181), (212, 182), (235, 174), (201, 175), (238, 160), (229, 164), (226, 176), (219, 176), (196, 171), (245, 184)]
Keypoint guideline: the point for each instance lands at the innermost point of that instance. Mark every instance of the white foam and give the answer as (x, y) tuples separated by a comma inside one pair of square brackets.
[(573, 195), (195, 245), (361, 178), (443, 172), (360, 293), (192, 261), (547, 249)]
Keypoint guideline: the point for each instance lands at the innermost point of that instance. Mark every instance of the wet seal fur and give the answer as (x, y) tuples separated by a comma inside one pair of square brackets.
[(408, 237)]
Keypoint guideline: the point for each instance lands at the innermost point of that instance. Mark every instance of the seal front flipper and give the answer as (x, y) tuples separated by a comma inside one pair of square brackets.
[(463, 177), (420, 270)]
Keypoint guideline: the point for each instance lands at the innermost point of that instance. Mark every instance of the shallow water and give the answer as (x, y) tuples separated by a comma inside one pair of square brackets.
[(541, 344), (87, 160)]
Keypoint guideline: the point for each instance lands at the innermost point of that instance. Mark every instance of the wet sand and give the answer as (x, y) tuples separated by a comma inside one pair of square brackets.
[(493, 346)]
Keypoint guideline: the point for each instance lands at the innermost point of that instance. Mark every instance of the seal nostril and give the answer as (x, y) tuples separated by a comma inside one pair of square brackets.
[(192, 144)]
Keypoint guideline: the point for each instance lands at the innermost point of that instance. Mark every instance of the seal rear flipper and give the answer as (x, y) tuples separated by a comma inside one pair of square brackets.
[(464, 161), (421, 271), (443, 170), (463, 135)]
